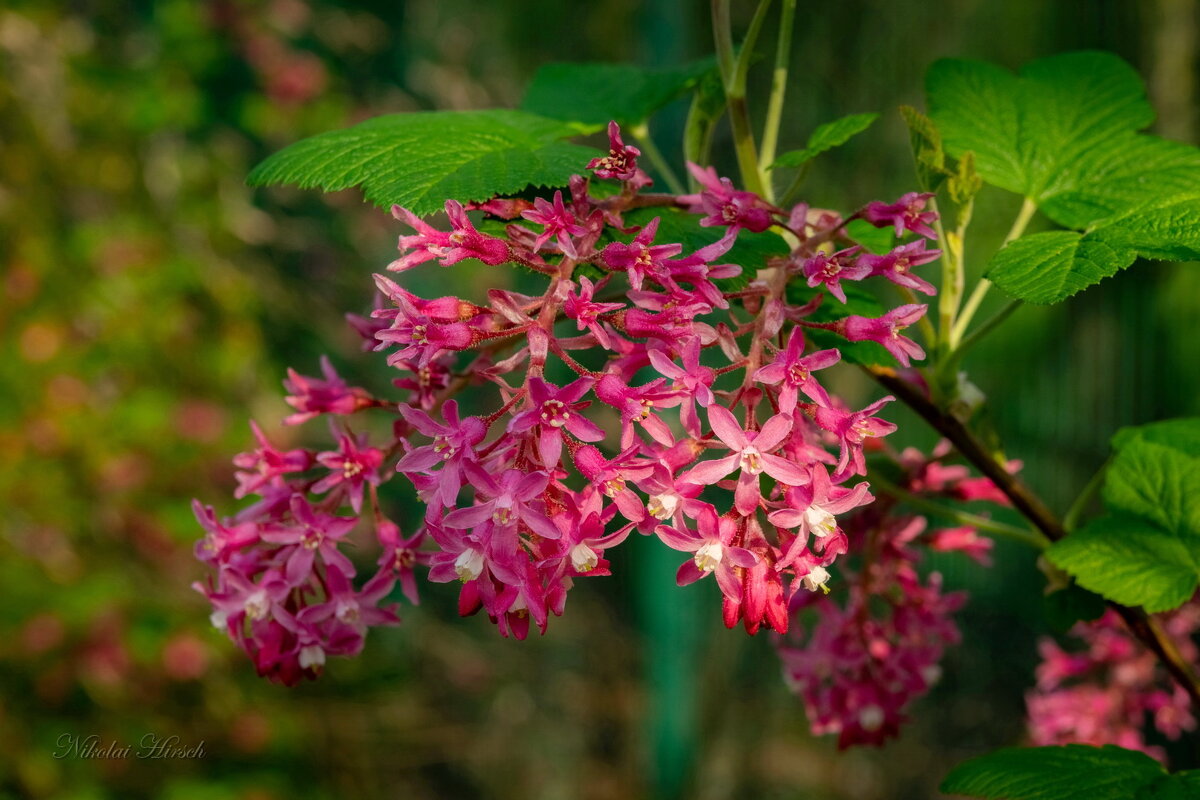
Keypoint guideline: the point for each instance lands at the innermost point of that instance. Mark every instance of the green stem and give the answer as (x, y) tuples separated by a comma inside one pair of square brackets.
[(952, 284), (981, 289), (733, 77), (783, 53), (789, 196), (641, 132), (1023, 535), (1071, 520)]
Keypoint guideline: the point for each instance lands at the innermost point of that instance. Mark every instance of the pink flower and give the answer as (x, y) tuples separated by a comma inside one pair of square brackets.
[(312, 533), (713, 551), (691, 380), (852, 430), (831, 270), (906, 214), (550, 410), (313, 396), (353, 466), (795, 371), (586, 313), (724, 205), (509, 502), (400, 555), (557, 222), (751, 455), (637, 405), (896, 266), (221, 537), (621, 162), (886, 331), (639, 258), (466, 242), (453, 446), (265, 465), (812, 510), (964, 539)]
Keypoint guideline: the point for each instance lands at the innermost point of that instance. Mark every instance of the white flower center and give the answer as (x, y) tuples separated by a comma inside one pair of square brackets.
[(583, 558), (555, 413), (751, 461), (662, 506), (820, 522), (257, 605), (816, 579), (709, 556), (871, 718), (312, 655), (469, 565)]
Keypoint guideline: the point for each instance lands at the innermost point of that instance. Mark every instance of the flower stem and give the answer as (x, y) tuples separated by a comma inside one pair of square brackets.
[(981, 289), (1140, 624), (733, 77), (783, 52), (1023, 535), (641, 132)]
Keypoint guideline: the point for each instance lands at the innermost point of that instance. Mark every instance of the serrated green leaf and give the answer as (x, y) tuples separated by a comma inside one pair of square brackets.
[(1055, 129), (420, 160), (597, 93), (826, 137), (1048, 267), (1128, 560), (1146, 549), (751, 251), (928, 154), (1071, 772)]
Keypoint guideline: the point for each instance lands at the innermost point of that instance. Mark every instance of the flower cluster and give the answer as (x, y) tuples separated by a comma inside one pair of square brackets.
[(1105, 692), (648, 389), (858, 659)]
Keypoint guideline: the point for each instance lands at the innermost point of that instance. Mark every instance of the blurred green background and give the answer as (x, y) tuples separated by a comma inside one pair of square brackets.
[(151, 303)]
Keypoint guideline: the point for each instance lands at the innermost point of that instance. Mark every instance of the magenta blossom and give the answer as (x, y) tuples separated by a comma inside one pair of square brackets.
[(639, 258), (906, 214), (265, 465), (751, 455), (557, 222), (352, 466), (725, 205), (586, 312), (713, 549), (886, 331), (831, 270), (550, 410), (621, 162), (852, 430), (313, 396), (795, 370), (897, 265), (312, 532)]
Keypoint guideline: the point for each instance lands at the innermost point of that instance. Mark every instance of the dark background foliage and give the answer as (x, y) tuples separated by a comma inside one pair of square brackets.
[(151, 303)]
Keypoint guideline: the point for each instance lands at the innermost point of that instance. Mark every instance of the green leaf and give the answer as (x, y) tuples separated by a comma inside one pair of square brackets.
[(420, 160), (1071, 772), (826, 137), (928, 154), (1146, 549), (1038, 134), (1048, 267), (874, 240), (597, 93)]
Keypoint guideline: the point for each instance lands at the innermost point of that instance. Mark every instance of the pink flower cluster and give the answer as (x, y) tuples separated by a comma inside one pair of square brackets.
[(857, 659), (640, 392), (1106, 692)]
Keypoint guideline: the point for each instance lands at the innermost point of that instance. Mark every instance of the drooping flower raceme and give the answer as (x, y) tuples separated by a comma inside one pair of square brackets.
[(652, 387)]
